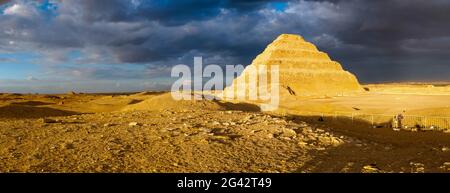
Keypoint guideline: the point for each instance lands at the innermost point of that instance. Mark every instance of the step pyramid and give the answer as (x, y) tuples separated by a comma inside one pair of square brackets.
[(303, 69)]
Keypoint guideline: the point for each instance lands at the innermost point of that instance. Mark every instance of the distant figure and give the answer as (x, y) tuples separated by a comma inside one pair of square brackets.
[(395, 122), (291, 92), (321, 119), (399, 119)]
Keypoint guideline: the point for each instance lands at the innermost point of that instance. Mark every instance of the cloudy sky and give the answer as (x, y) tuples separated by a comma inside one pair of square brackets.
[(127, 45)]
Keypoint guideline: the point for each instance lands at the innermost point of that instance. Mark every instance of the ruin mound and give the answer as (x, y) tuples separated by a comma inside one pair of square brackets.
[(166, 102)]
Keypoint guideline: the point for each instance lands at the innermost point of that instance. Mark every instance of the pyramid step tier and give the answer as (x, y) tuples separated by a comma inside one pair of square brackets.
[(302, 68), (300, 76), (285, 54), (289, 46), (305, 83), (301, 64)]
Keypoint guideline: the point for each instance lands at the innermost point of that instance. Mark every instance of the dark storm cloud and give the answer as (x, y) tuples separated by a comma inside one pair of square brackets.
[(137, 31), (390, 21), (378, 40), (397, 40), (167, 12)]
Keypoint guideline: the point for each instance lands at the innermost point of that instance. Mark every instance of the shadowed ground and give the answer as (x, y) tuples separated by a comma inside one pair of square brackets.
[(382, 147)]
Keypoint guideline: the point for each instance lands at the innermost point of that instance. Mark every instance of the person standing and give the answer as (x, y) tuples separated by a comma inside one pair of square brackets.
[(395, 122), (400, 119)]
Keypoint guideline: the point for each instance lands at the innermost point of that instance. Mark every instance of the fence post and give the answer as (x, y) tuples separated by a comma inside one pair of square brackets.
[(352, 117), (426, 122), (372, 120)]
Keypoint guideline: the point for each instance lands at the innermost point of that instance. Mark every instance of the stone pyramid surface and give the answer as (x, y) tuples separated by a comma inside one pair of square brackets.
[(303, 69)]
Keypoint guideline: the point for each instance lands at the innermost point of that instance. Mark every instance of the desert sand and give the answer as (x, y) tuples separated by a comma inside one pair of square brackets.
[(150, 132)]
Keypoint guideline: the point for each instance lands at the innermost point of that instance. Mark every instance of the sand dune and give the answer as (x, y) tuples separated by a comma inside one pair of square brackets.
[(24, 111), (165, 101)]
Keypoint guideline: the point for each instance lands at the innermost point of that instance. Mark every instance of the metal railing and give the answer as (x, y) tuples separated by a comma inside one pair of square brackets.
[(409, 122)]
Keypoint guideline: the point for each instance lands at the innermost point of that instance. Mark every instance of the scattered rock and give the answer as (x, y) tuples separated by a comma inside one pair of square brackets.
[(248, 117), (269, 136), (303, 124), (220, 139), (133, 124), (107, 125), (329, 141), (171, 129), (310, 137), (285, 138), (348, 167), (47, 120), (307, 130), (302, 144), (175, 133), (445, 149), (446, 166), (218, 131), (372, 168), (280, 121), (287, 133), (417, 167)]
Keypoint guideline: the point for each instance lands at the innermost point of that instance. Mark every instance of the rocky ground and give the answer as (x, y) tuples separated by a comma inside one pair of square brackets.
[(168, 141), (209, 140)]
